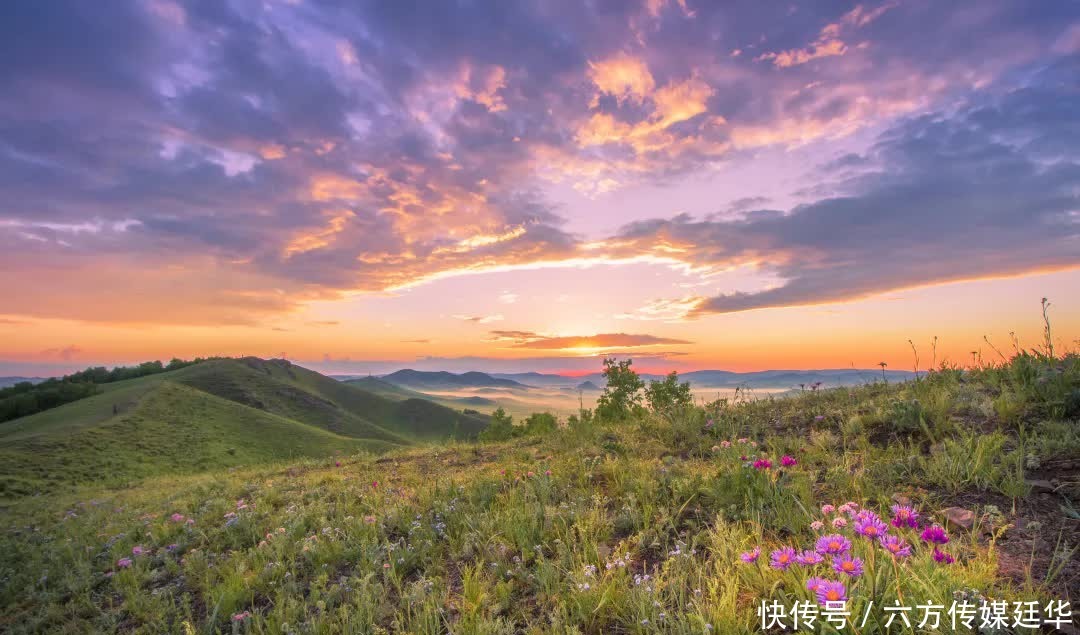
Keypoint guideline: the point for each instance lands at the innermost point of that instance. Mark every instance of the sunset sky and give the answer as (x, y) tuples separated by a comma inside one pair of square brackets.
[(510, 186)]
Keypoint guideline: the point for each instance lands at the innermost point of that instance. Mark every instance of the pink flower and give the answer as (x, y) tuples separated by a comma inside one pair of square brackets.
[(942, 557), (762, 464), (809, 558), (744, 440), (839, 522), (547, 472), (386, 565), (827, 509), (177, 518), (833, 544), (240, 617), (374, 485), (370, 520), (817, 525), (725, 444), (337, 463), (189, 521), (849, 508), (935, 535), (831, 592), (137, 550), (848, 565), (895, 545), (750, 556), (531, 474), (904, 515), (123, 563), (788, 461), (782, 558), (868, 524)]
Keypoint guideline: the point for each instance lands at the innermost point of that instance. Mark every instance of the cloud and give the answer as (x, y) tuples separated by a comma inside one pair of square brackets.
[(480, 319), (228, 167), (67, 353), (528, 339)]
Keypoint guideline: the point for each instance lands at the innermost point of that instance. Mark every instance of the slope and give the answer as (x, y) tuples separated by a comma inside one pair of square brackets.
[(171, 428)]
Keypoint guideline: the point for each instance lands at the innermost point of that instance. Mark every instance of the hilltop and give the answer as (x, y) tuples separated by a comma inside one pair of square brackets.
[(671, 520), (215, 414)]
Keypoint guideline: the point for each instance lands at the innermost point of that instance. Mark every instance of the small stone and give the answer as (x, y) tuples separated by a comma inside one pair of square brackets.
[(1041, 486), (959, 516)]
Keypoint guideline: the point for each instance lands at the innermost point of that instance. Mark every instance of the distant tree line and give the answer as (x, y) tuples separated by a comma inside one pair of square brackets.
[(26, 398)]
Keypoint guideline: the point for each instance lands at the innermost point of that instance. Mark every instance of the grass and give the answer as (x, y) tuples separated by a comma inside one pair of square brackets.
[(631, 527)]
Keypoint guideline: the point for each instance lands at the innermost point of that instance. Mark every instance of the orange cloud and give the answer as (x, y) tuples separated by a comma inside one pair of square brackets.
[(624, 77)]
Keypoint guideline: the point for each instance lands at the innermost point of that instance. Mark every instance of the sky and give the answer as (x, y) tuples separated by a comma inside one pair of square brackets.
[(512, 186)]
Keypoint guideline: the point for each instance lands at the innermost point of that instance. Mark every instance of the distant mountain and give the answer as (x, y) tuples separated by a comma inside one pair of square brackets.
[(588, 385), (443, 380), (537, 379), (11, 381), (701, 379)]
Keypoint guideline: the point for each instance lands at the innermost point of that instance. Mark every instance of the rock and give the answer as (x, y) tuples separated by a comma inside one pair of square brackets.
[(959, 517), (1041, 487), (900, 499)]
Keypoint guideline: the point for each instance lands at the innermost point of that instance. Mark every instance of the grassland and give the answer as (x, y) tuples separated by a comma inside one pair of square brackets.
[(217, 414), (633, 526)]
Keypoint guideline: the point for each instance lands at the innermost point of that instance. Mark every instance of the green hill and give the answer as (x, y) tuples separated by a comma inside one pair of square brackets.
[(216, 414)]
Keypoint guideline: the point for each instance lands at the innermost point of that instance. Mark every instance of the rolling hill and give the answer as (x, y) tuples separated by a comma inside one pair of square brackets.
[(448, 381), (215, 414)]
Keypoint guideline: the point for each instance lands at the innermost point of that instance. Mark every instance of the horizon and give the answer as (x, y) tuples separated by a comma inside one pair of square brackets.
[(500, 186)]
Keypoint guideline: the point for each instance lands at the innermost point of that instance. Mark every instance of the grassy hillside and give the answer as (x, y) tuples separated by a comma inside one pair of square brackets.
[(212, 415), (637, 526), (172, 428)]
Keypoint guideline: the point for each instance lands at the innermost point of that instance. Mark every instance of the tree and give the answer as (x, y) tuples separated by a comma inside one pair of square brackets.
[(622, 394), (668, 398), (540, 423), (501, 427)]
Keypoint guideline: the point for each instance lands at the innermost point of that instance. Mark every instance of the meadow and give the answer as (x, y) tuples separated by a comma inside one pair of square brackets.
[(957, 489)]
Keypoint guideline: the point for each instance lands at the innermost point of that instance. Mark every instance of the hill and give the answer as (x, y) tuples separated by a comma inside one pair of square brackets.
[(11, 381), (657, 524), (443, 380), (588, 385), (217, 413)]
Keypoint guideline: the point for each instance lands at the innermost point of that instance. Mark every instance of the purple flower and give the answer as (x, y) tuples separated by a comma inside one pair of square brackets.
[(934, 534), (905, 515), (782, 558), (750, 556), (762, 464), (813, 584), (137, 550), (123, 563), (819, 418), (832, 545), (788, 461), (848, 565), (177, 518), (830, 591), (809, 558), (942, 557), (895, 545), (868, 524)]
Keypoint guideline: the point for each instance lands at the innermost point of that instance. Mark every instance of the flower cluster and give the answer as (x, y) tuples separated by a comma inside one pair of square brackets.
[(839, 551)]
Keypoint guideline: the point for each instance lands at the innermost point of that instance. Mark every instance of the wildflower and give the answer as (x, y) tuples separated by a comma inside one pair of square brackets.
[(240, 617), (709, 423), (172, 547), (868, 524), (819, 418), (809, 558), (189, 521), (895, 545), (137, 550), (744, 440), (725, 444), (263, 543), (386, 565), (942, 557), (905, 515), (240, 504), (370, 520), (374, 485), (530, 474), (547, 472), (281, 530), (177, 518), (762, 464), (839, 522), (743, 458), (848, 565), (849, 508), (584, 586), (813, 584), (832, 544), (750, 556), (935, 535), (123, 563), (831, 592), (337, 463), (817, 525), (827, 509), (788, 461), (782, 558)]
